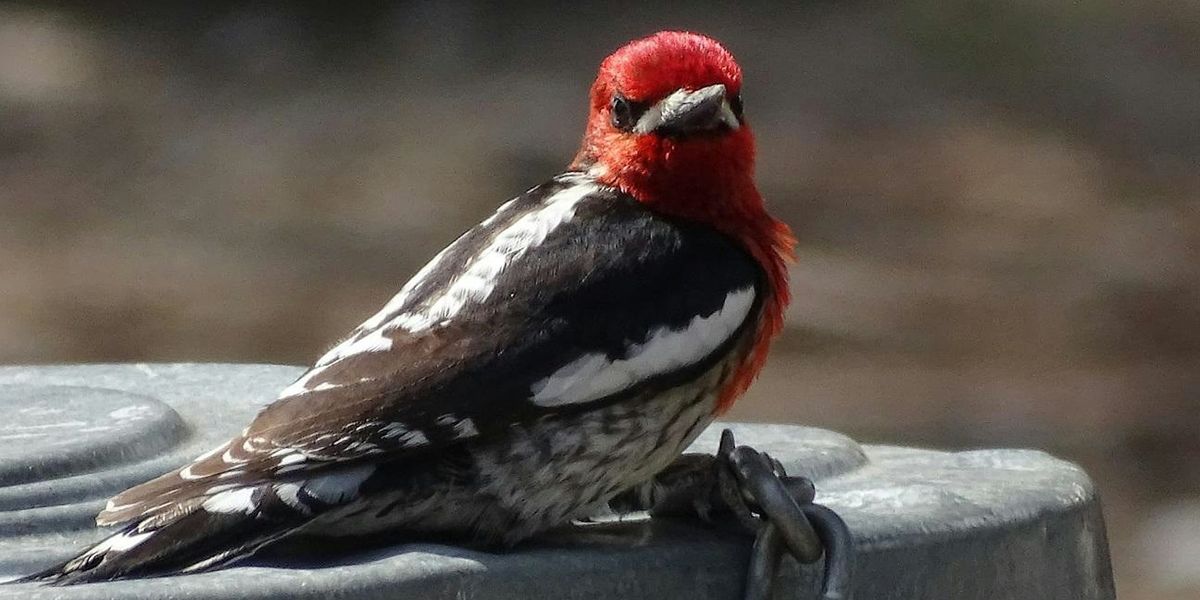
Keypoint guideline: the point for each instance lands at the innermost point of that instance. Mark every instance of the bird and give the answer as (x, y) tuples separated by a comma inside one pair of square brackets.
[(563, 351)]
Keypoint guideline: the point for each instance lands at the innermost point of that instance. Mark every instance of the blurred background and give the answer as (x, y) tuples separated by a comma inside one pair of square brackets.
[(998, 203)]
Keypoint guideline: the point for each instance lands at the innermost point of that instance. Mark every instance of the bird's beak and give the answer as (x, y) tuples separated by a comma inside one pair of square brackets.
[(686, 112)]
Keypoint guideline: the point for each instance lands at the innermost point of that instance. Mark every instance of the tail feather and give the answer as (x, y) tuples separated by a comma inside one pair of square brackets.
[(214, 533)]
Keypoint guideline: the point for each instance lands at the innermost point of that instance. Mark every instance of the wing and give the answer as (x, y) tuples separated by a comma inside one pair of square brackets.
[(568, 296)]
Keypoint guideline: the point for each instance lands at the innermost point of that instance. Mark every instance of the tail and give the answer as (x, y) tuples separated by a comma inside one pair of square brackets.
[(194, 536)]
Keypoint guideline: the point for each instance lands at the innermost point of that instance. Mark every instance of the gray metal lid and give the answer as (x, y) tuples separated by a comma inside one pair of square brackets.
[(981, 524)]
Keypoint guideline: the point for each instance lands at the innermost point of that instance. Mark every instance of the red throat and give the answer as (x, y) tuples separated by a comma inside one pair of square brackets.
[(707, 179)]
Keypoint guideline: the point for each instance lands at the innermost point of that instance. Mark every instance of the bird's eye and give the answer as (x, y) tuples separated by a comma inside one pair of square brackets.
[(735, 104), (624, 113)]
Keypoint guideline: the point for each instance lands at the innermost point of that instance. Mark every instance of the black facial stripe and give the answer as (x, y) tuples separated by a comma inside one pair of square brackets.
[(735, 104), (625, 112)]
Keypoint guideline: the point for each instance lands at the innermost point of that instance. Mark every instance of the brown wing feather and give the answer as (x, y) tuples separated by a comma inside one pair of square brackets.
[(290, 438)]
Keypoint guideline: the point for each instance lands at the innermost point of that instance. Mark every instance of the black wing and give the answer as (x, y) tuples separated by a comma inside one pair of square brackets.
[(570, 295)]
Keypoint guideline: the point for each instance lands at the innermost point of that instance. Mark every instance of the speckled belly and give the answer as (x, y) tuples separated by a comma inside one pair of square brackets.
[(545, 473)]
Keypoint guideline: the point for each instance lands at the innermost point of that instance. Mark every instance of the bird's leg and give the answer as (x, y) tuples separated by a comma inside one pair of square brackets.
[(703, 486), (695, 486), (778, 509)]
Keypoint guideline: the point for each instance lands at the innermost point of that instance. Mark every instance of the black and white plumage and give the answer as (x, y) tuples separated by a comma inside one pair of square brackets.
[(560, 352)]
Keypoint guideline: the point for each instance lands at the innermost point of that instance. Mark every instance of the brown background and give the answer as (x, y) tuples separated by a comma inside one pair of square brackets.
[(997, 202)]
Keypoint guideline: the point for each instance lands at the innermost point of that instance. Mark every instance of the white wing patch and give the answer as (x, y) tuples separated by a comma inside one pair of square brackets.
[(398, 301), (396, 304), (594, 376), (462, 428), (186, 472), (300, 386), (291, 459), (238, 500), (289, 493), (122, 542), (479, 276), (403, 435), (375, 341), (228, 458)]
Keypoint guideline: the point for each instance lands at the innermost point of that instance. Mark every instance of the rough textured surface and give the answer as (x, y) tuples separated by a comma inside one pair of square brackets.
[(983, 524)]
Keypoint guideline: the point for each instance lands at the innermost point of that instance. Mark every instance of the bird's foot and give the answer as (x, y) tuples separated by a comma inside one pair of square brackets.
[(706, 486), (756, 489)]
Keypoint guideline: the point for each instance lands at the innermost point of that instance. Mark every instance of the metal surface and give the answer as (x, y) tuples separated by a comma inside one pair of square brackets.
[(996, 524)]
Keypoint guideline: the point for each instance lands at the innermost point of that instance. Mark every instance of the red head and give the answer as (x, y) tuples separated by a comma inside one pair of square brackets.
[(665, 126)]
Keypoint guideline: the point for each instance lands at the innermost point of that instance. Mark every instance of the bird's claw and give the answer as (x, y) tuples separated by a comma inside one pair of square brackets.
[(777, 508), (704, 486), (786, 518)]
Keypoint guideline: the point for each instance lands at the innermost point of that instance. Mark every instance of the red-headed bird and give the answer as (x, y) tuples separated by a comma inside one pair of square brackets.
[(563, 351)]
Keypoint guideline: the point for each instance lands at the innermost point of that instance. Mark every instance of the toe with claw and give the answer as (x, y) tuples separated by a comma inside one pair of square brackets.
[(757, 490)]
